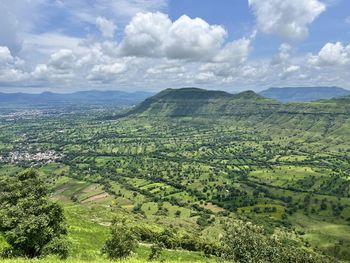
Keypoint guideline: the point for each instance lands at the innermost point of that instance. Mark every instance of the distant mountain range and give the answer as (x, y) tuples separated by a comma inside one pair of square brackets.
[(183, 96), (92, 97), (300, 94)]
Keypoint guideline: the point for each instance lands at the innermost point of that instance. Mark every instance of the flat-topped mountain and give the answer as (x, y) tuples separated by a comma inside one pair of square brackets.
[(190, 94), (302, 94), (201, 102)]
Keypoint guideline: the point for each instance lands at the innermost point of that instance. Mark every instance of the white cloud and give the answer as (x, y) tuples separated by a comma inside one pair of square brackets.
[(288, 71), (62, 60), (193, 39), (5, 55), (155, 35), (155, 51), (145, 35), (47, 43), (235, 52), (41, 72), (283, 55), (166, 68), (107, 27), (10, 66), (106, 73), (292, 69), (61, 65), (288, 19), (332, 54)]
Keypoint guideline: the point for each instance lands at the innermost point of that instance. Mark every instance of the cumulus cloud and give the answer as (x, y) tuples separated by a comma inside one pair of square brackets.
[(107, 27), (106, 73), (155, 35), (288, 19), (41, 72), (10, 66), (61, 65), (283, 54), (157, 52), (235, 52), (5, 55), (332, 54), (145, 35), (288, 71), (193, 38), (62, 60)]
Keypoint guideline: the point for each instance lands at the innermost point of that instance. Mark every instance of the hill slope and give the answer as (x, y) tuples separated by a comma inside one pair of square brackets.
[(302, 94)]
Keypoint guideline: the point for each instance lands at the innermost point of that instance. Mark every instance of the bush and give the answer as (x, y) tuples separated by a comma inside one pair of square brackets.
[(122, 243), (156, 252), (59, 247)]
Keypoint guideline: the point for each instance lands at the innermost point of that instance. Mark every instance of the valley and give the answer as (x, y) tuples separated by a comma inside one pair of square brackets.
[(190, 160)]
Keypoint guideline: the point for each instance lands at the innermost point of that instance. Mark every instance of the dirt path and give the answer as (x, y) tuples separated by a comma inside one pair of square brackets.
[(95, 198)]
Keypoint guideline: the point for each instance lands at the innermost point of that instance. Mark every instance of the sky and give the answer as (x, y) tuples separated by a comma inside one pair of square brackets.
[(151, 45)]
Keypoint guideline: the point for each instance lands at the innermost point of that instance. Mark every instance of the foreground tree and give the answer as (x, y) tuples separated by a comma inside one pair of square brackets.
[(122, 243), (33, 226)]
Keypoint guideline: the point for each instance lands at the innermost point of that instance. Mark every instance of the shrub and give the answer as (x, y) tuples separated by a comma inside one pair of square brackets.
[(156, 251), (122, 243)]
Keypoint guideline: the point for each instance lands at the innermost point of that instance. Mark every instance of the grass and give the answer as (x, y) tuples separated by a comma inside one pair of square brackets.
[(323, 234), (88, 230)]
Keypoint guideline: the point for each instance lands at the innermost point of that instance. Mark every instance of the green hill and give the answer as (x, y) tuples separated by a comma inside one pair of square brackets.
[(200, 102)]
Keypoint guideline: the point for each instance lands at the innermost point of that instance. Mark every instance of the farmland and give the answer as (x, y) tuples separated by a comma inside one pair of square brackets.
[(189, 172)]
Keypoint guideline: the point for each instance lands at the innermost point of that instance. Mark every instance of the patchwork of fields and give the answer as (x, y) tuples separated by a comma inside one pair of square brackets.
[(190, 174)]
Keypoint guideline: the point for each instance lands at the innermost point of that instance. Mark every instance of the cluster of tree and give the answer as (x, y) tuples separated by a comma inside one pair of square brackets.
[(242, 242), (32, 225), (245, 242)]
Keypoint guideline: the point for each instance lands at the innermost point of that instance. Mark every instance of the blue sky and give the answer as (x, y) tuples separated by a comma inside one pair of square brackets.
[(63, 46)]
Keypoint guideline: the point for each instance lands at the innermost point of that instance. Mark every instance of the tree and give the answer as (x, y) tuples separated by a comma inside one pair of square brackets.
[(33, 226), (156, 251), (122, 243), (245, 242)]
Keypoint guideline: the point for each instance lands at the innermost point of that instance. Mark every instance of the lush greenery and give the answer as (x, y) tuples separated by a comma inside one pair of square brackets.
[(32, 225), (186, 166), (122, 242)]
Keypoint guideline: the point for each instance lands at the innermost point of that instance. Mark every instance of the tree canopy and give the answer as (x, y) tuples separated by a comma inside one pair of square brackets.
[(33, 226)]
